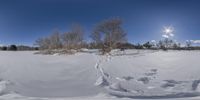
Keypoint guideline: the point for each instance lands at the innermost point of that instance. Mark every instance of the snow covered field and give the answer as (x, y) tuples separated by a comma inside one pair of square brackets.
[(133, 74)]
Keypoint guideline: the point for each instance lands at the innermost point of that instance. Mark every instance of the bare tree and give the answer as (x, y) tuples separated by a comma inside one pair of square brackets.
[(51, 42), (176, 45), (96, 40), (147, 45), (55, 41), (96, 37), (166, 44), (109, 32), (188, 43), (43, 43), (74, 38), (77, 29)]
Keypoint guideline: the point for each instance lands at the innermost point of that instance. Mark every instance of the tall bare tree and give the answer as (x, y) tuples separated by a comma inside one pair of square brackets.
[(74, 38), (110, 32), (188, 43), (43, 43), (51, 42), (55, 41), (96, 37)]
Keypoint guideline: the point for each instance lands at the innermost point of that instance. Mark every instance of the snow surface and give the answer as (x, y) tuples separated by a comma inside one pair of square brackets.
[(133, 74)]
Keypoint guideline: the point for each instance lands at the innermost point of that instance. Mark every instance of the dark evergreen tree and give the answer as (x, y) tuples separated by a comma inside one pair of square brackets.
[(13, 48)]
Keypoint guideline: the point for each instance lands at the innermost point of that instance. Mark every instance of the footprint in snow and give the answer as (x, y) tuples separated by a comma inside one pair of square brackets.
[(170, 83), (118, 87), (152, 72), (144, 80), (102, 81), (195, 84), (125, 78), (128, 78)]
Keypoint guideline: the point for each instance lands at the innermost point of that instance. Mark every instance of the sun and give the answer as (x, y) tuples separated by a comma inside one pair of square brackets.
[(168, 30)]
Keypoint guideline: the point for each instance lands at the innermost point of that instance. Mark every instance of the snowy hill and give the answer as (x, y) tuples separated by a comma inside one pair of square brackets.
[(132, 74)]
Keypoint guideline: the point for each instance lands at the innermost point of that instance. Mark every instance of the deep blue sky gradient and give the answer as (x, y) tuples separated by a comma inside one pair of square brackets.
[(23, 21)]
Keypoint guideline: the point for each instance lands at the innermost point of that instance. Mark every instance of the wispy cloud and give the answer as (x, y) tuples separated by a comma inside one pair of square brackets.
[(153, 41), (195, 41), (165, 36)]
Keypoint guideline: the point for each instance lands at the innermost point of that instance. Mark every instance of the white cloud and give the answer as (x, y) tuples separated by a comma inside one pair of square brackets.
[(172, 35), (168, 35), (165, 36), (195, 41), (153, 41)]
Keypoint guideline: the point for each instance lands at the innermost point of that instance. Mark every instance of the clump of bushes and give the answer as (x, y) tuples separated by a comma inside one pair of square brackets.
[(105, 36), (67, 40)]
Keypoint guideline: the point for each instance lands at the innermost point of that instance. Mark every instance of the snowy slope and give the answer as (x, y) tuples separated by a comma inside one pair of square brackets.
[(122, 75)]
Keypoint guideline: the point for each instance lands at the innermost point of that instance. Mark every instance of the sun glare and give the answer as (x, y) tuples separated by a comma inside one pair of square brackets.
[(168, 30)]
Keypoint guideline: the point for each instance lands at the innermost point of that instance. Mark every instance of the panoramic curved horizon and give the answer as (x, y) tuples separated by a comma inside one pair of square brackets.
[(24, 21), (99, 49)]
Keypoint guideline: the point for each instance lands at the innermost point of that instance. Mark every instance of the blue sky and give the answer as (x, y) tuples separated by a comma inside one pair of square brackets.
[(23, 21)]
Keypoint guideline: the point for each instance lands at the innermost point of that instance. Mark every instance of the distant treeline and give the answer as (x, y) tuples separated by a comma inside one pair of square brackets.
[(18, 48), (122, 46)]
